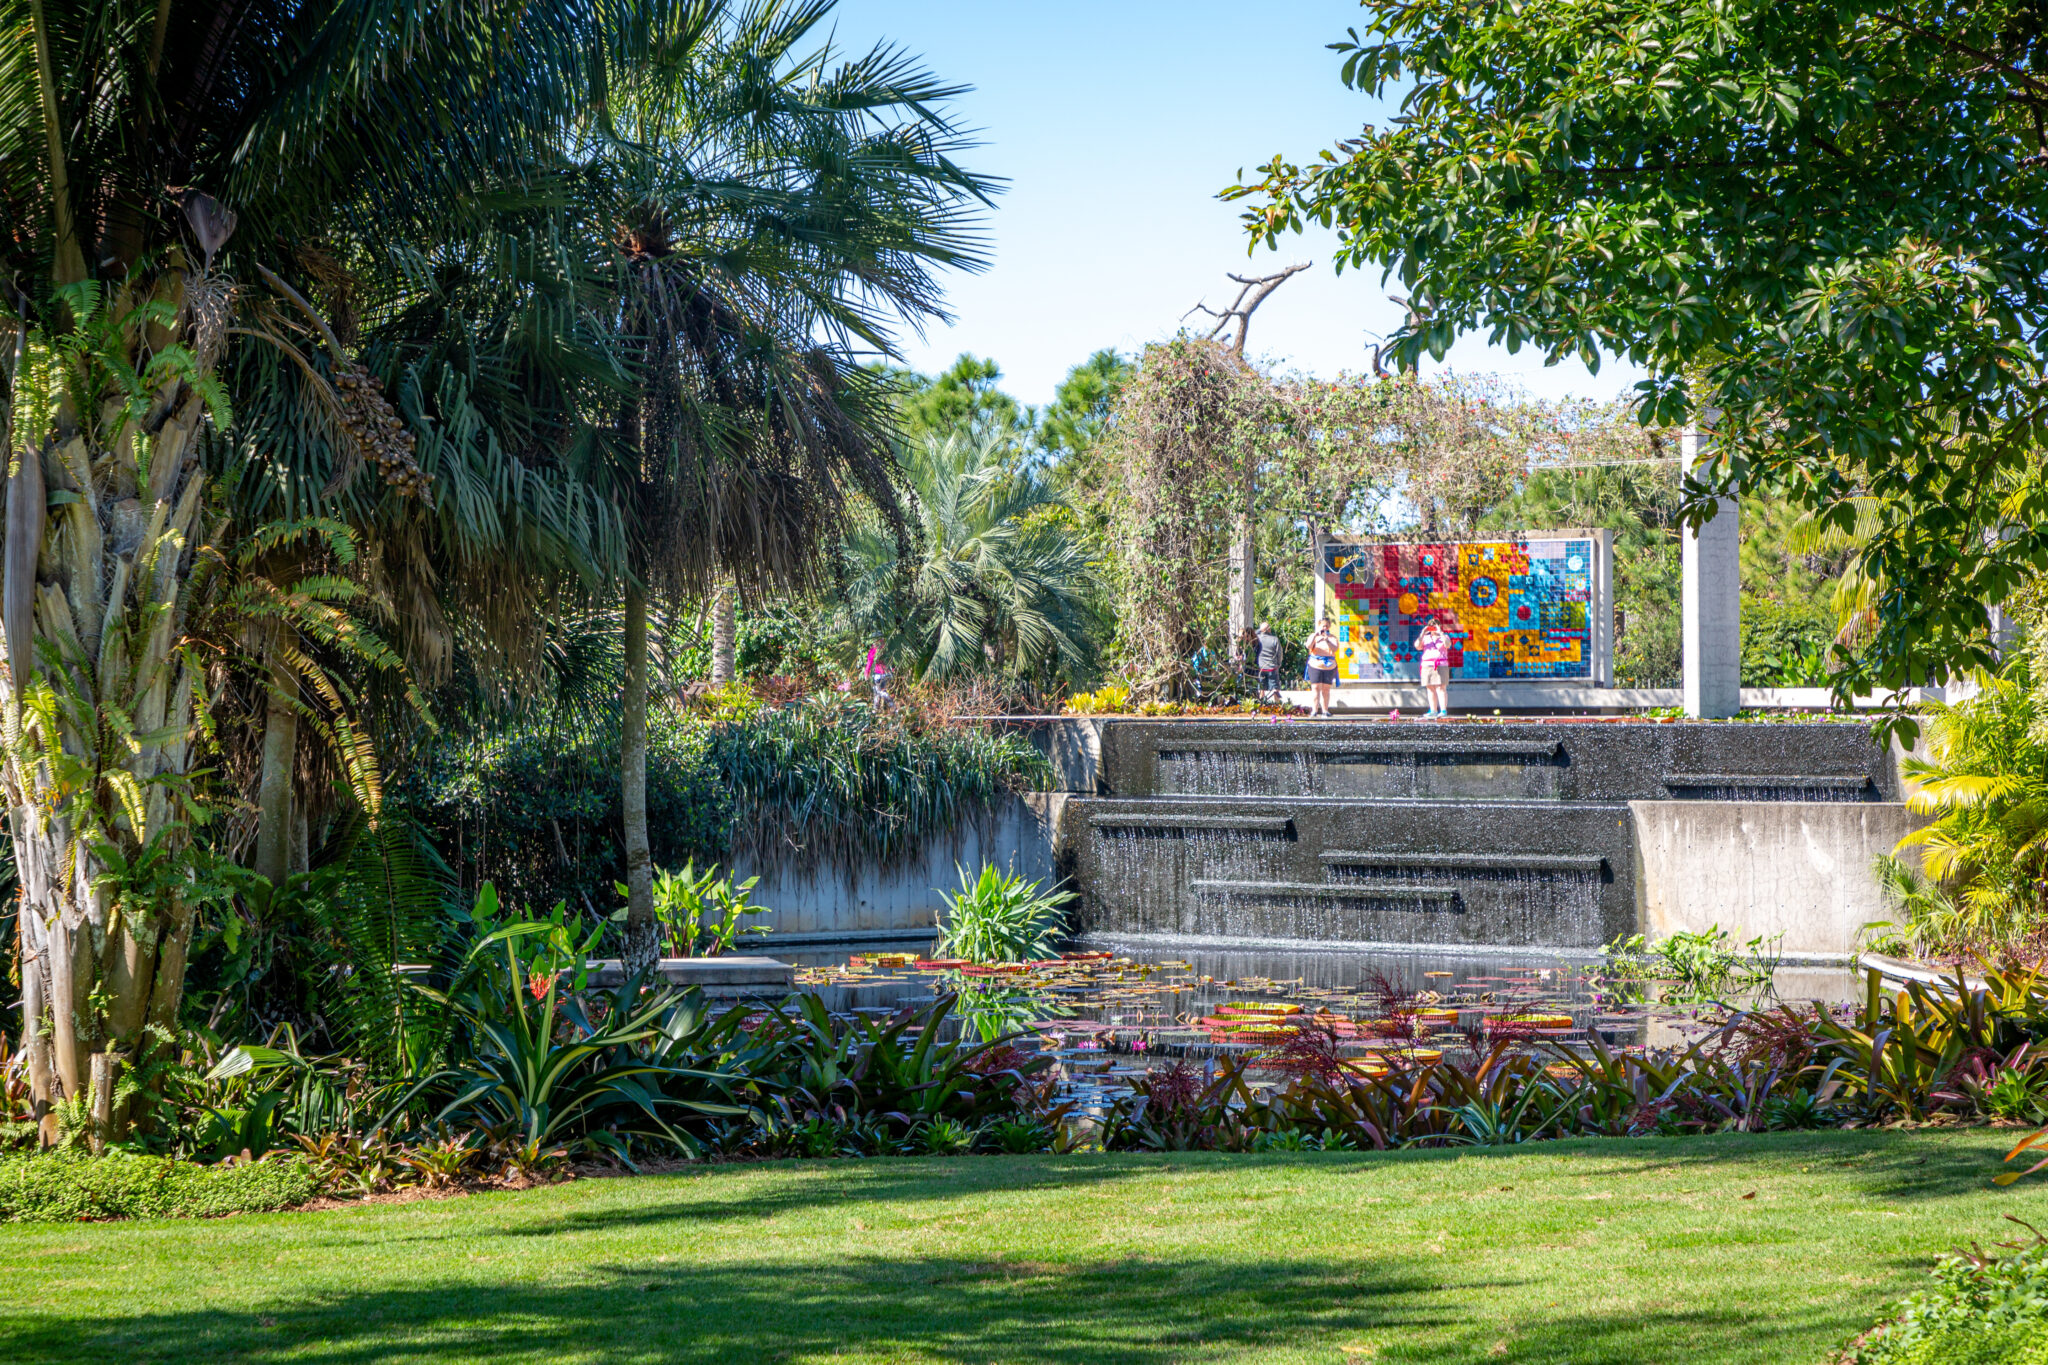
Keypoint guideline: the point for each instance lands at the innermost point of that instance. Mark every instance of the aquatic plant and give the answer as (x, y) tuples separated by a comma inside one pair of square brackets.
[(1690, 968), (1000, 917), (701, 914)]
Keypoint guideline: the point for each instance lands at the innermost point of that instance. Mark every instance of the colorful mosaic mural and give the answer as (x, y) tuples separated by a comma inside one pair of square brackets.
[(1518, 609)]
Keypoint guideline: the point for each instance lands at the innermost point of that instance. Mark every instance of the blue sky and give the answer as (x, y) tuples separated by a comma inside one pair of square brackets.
[(1116, 122)]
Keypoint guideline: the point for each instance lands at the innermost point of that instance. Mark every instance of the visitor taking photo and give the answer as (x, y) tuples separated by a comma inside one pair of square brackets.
[(1321, 672), (1434, 645)]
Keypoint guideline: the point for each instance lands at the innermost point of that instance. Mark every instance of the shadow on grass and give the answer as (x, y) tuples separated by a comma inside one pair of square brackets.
[(724, 1194), (1881, 1163), (1144, 1311), (1168, 1305)]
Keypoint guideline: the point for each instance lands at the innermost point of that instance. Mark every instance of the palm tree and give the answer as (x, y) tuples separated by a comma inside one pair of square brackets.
[(288, 131), (1982, 778), (999, 577), (775, 212)]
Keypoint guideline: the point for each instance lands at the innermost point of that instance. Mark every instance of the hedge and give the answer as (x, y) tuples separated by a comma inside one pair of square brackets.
[(69, 1187)]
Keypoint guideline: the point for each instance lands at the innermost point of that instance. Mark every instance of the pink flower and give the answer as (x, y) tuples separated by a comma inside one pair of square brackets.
[(538, 983)]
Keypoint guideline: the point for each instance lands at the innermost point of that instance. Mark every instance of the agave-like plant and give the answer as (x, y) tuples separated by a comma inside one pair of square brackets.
[(1000, 917), (537, 1063)]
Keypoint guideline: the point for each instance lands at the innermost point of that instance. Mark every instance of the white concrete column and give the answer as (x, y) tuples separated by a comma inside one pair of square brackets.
[(1710, 561)]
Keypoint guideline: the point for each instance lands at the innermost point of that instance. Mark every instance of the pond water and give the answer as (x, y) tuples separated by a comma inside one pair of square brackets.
[(1116, 1008)]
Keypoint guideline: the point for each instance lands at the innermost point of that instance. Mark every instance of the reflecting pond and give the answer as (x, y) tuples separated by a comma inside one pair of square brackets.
[(1118, 1007)]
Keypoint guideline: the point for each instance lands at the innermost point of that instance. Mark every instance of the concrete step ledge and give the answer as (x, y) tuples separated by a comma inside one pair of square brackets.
[(717, 976), (1328, 891)]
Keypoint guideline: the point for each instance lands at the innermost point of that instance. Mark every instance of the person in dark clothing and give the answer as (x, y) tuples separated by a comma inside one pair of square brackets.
[(1271, 647)]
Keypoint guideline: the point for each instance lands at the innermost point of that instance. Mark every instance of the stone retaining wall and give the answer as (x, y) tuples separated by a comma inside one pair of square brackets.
[(824, 904)]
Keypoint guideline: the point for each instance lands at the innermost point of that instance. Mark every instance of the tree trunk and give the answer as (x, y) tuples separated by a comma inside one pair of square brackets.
[(642, 946), (280, 755), (722, 630), (1244, 579), (96, 586)]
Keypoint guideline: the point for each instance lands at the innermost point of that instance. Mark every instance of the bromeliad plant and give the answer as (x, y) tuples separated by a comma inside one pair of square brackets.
[(900, 1070), (557, 1069)]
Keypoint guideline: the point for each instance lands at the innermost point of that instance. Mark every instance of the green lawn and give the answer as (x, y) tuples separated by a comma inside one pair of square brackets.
[(1737, 1249)]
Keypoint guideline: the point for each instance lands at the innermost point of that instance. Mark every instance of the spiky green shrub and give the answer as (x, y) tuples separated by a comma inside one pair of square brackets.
[(1982, 776), (1000, 917)]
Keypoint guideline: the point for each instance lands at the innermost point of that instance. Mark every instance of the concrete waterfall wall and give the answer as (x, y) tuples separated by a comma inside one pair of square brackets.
[(1796, 868)]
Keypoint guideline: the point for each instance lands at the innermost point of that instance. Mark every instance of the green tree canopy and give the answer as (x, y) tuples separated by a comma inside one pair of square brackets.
[(1821, 217), (962, 401), (996, 582), (1082, 404)]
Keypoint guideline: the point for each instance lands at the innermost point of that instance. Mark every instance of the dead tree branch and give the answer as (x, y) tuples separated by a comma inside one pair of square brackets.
[(1256, 288)]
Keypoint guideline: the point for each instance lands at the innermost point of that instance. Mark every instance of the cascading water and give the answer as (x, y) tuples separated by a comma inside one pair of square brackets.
[(1457, 836), (1236, 772), (1149, 868)]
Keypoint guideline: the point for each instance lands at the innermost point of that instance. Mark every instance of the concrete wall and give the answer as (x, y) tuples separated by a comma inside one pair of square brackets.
[(825, 904), (1801, 869)]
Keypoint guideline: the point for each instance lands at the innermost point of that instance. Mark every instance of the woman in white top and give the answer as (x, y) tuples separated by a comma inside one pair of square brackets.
[(1322, 668)]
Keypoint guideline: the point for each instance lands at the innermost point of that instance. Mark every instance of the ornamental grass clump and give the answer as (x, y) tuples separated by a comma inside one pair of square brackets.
[(1000, 917)]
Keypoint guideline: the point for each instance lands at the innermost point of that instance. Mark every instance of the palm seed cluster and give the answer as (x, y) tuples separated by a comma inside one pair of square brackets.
[(374, 425)]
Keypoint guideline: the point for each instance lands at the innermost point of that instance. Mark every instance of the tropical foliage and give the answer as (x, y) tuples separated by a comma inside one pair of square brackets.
[(1981, 881), (1983, 1308), (702, 914), (1921, 1052), (431, 343), (996, 582), (534, 806)]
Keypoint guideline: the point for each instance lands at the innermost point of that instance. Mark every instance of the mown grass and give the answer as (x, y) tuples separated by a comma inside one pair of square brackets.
[(1735, 1249)]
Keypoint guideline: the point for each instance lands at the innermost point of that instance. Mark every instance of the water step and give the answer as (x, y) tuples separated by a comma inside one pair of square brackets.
[(1513, 862), (1828, 782), (1279, 825), (1329, 891), (1366, 748)]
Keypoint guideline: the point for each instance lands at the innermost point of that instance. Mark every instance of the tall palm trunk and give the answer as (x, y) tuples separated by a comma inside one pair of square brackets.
[(642, 947), (722, 631), (98, 709), (274, 824)]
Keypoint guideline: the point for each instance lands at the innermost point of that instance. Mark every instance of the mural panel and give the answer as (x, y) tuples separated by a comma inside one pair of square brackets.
[(1514, 609)]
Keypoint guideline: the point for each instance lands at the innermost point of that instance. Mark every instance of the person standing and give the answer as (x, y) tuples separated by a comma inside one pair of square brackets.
[(1435, 648), (1321, 672), (1200, 664), (877, 674), (1271, 647)]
